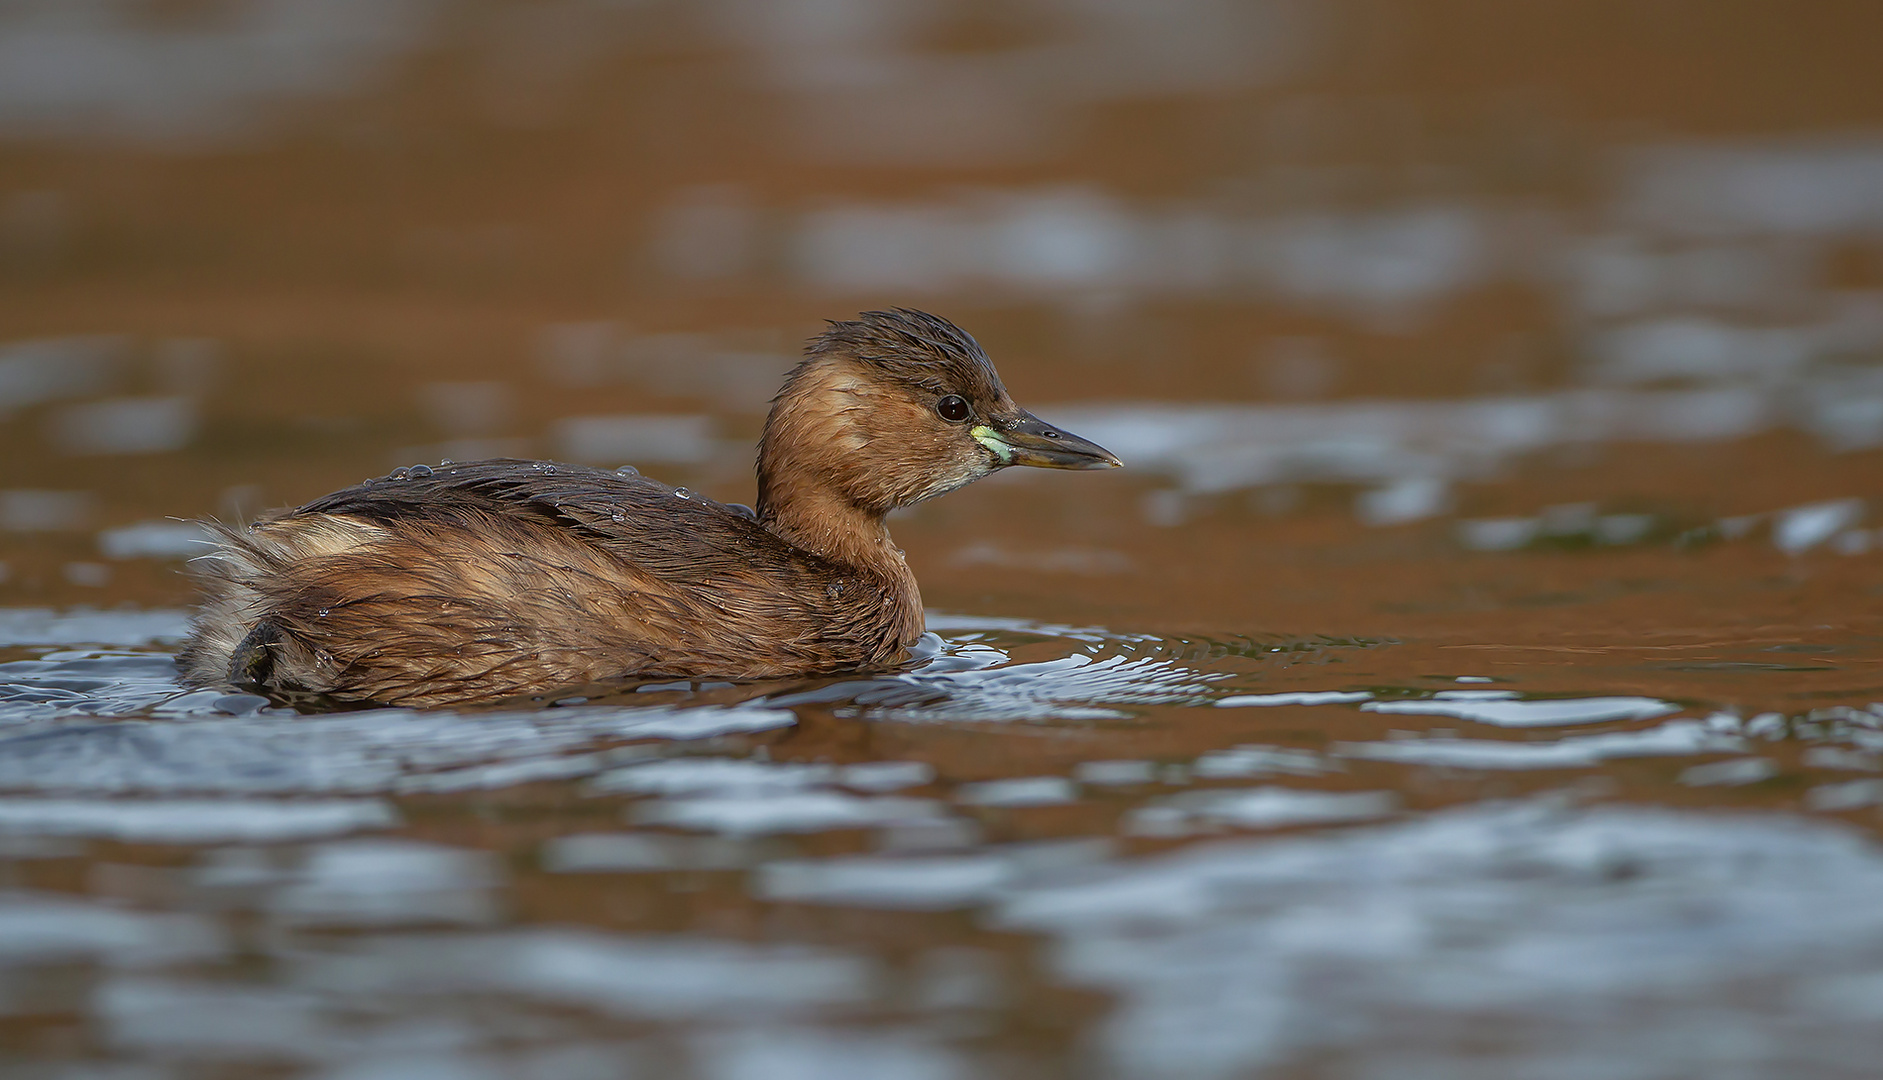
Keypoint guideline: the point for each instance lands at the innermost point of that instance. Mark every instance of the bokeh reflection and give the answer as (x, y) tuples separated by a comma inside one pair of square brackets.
[(1471, 675)]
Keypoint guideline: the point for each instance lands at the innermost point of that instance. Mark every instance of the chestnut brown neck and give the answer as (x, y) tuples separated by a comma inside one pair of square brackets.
[(815, 488), (828, 526)]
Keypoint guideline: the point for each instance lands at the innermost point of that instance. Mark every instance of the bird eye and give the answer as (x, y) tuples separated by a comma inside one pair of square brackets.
[(953, 409)]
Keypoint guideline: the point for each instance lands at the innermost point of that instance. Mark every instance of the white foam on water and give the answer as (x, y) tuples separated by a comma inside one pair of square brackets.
[(1073, 687), (1848, 795), (43, 928), (650, 853), (206, 741), (1581, 931), (1499, 709), (1115, 773), (577, 1061), (388, 882), (611, 852), (1831, 757), (884, 776), (1019, 791), (1413, 498), (679, 977), (194, 821), (783, 812), (1497, 534), (195, 1019), (935, 882), (503, 774), (925, 881), (1311, 697), (801, 1054), (686, 776), (1260, 761), (1257, 808), (1730, 773), (1802, 528), (968, 680), (946, 622), (1675, 738), (358, 752), (43, 626), (1804, 186)]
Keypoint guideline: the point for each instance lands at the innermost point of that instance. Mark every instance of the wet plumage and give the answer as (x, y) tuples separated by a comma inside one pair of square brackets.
[(483, 580)]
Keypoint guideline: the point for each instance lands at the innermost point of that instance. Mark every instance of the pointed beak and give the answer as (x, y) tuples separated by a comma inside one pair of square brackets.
[(1025, 439)]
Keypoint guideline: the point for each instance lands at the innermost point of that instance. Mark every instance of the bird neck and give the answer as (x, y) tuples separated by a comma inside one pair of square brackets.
[(816, 490), (824, 523), (810, 464)]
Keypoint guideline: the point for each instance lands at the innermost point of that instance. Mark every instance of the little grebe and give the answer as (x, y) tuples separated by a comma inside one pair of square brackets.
[(493, 578)]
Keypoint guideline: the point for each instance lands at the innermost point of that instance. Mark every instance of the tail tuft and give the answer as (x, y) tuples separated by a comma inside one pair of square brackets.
[(230, 622)]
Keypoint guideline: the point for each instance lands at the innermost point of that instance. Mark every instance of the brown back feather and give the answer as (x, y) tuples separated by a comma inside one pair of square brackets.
[(500, 577)]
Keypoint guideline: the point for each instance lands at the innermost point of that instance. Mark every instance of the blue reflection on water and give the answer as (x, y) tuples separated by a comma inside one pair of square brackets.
[(1369, 926)]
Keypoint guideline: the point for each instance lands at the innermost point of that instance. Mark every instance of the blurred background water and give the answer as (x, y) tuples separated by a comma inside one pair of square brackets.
[(1472, 673)]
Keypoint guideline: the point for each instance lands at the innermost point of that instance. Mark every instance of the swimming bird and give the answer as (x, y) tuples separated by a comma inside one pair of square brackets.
[(489, 579)]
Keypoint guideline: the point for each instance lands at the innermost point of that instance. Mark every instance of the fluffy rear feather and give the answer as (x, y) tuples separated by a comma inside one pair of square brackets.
[(498, 578)]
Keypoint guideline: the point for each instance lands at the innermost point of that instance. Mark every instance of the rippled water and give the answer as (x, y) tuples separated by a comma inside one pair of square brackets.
[(853, 878), (1473, 674)]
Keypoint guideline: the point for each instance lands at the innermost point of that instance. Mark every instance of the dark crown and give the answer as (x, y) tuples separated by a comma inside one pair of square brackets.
[(916, 347)]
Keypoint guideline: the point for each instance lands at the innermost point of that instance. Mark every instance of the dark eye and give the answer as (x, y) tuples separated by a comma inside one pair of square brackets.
[(953, 409)]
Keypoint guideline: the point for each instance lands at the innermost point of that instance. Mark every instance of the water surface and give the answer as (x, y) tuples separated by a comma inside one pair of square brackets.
[(1475, 672), (1045, 849)]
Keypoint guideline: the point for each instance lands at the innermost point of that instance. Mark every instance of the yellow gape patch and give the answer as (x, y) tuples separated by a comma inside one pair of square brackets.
[(991, 439)]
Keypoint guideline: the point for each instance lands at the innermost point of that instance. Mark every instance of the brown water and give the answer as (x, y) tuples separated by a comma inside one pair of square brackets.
[(1474, 672)]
